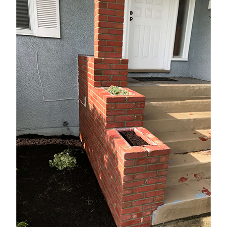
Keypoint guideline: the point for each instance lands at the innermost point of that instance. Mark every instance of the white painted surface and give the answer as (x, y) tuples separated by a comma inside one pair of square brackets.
[(44, 19), (149, 37)]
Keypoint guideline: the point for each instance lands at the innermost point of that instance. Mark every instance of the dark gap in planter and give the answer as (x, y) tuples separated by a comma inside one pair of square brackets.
[(132, 138), (153, 79)]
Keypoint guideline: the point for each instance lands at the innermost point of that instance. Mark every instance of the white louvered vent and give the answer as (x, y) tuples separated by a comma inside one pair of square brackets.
[(48, 21), (47, 13)]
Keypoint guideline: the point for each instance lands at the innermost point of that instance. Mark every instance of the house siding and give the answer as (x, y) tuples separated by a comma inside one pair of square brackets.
[(57, 65)]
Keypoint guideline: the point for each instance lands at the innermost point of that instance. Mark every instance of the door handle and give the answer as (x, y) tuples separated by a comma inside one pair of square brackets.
[(131, 12), (131, 18)]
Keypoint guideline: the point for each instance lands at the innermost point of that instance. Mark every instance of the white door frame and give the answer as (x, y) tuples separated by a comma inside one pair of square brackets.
[(171, 30)]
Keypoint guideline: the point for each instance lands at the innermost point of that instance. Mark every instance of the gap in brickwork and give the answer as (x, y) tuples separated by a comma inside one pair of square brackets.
[(132, 138)]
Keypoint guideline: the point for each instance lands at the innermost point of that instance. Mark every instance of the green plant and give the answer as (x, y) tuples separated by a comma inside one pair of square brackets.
[(22, 224), (115, 90), (63, 160)]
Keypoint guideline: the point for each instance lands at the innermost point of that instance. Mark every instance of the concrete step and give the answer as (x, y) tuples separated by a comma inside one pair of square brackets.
[(173, 122), (186, 105), (186, 141), (183, 201), (172, 90), (193, 166)]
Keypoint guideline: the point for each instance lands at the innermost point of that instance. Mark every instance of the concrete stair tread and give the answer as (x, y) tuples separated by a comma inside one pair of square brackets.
[(203, 134), (173, 116), (185, 200), (178, 99), (187, 191), (192, 158)]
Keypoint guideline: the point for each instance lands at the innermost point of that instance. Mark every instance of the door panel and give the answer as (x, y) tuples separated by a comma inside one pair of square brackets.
[(148, 33)]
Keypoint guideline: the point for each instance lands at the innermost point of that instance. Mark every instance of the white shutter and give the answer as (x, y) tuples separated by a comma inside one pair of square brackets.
[(46, 18)]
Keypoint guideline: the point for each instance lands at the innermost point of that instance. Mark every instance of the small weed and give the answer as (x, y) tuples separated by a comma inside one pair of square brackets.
[(63, 160), (89, 202), (115, 90), (22, 224)]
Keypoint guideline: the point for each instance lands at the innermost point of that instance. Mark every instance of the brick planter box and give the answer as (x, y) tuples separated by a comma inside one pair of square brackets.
[(118, 110), (132, 178)]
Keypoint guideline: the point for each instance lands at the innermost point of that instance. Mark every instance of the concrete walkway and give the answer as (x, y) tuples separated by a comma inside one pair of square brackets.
[(196, 221)]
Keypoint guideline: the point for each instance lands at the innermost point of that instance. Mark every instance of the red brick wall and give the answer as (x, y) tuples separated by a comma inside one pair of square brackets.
[(108, 32), (132, 179)]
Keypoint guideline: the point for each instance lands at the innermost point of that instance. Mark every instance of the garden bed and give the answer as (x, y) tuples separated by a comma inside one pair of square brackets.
[(50, 197)]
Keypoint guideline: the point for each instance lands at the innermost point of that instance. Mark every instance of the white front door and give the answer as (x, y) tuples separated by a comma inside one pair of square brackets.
[(151, 33)]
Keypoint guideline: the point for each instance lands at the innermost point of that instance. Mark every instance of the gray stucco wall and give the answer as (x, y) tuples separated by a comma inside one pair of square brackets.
[(57, 64), (47, 99), (199, 59)]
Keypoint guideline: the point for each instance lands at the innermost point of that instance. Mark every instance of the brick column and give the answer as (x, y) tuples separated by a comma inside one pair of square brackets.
[(108, 33)]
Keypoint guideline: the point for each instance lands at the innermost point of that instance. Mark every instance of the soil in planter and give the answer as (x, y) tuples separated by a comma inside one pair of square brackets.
[(132, 138), (47, 197)]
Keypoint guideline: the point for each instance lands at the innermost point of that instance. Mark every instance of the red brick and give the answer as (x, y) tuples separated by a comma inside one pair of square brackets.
[(145, 175), (132, 210), (145, 161), (143, 201), (102, 78), (119, 78), (125, 106), (114, 43), (120, 67), (126, 205), (115, 112), (109, 83), (127, 191), (107, 12), (116, 19), (136, 111), (133, 184), (115, 125), (154, 193), (123, 72), (136, 169), (110, 72), (162, 173), (115, 6), (132, 197), (157, 167), (164, 159), (140, 105), (102, 66), (131, 222), (111, 61), (113, 55), (156, 180), (160, 186), (124, 118), (159, 198), (144, 189), (120, 13)]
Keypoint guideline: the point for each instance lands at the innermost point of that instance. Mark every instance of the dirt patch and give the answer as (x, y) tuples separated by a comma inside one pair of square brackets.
[(132, 138), (49, 197)]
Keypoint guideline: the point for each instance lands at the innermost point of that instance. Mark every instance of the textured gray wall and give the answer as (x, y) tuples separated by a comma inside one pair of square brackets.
[(199, 60), (57, 64)]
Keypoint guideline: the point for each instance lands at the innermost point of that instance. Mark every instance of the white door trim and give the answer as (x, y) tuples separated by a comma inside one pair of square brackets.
[(171, 30), (188, 31)]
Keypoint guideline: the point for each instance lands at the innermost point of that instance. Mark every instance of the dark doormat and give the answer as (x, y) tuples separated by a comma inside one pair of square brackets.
[(153, 79)]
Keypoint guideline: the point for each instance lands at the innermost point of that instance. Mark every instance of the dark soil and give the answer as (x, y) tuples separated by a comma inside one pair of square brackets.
[(132, 138), (47, 197)]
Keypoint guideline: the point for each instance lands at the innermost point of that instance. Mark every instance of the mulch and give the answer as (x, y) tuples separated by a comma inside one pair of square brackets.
[(132, 138), (47, 197)]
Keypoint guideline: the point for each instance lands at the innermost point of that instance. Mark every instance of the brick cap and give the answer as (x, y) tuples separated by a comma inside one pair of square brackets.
[(155, 148)]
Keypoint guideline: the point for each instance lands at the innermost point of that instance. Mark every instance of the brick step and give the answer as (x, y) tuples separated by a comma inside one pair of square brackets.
[(186, 105), (172, 90), (193, 166), (186, 141), (185, 200), (172, 122)]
